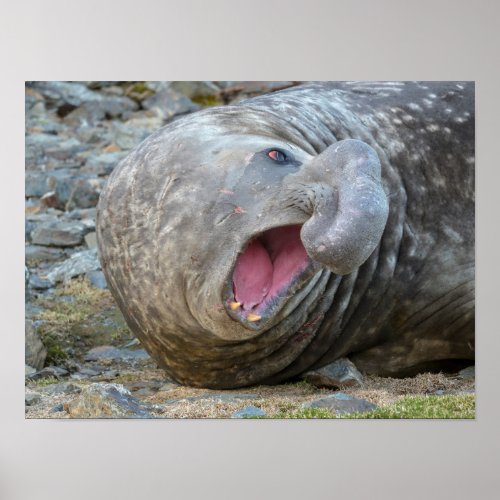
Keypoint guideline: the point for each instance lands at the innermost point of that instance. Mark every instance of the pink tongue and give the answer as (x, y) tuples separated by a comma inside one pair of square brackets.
[(253, 275)]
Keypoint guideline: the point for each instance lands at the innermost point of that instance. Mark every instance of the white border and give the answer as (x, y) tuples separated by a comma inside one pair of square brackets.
[(265, 40)]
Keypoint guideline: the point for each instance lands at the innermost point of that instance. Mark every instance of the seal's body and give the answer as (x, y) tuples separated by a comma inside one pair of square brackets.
[(247, 244)]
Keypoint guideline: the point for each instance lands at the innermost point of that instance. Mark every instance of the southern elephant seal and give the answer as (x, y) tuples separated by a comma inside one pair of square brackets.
[(249, 243)]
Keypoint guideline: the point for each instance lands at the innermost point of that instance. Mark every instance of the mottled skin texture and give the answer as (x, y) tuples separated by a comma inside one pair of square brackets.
[(391, 282)]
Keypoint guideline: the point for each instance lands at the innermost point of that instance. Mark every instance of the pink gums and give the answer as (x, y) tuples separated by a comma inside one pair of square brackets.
[(269, 264)]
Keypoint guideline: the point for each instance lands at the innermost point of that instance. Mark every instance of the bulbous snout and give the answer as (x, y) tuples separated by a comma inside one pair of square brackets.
[(349, 206)]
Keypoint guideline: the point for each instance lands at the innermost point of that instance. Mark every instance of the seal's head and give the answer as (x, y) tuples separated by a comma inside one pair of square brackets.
[(215, 235)]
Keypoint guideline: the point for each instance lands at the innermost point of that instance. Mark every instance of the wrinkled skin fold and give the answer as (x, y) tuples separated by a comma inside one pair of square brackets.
[(246, 244)]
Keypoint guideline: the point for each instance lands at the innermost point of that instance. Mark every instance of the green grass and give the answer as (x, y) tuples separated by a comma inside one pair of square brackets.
[(409, 407), (462, 406), (83, 318)]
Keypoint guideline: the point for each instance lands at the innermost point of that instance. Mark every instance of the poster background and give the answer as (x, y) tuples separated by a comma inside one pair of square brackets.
[(248, 40)]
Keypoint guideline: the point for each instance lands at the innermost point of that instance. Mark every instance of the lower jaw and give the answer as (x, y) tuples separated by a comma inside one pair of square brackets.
[(267, 314)]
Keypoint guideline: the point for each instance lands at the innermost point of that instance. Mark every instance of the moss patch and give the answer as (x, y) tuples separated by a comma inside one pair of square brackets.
[(207, 100), (451, 406), (78, 317)]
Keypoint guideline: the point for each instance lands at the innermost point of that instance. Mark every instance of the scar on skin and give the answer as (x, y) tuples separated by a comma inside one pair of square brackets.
[(226, 191)]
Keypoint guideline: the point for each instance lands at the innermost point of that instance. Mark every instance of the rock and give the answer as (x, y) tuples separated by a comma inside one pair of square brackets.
[(58, 233), (35, 183), (49, 200), (102, 164), (83, 214), (196, 89), (127, 137), (468, 373), (170, 103), (340, 403), (28, 228), (34, 350), (32, 398), (340, 373), (106, 401), (62, 388), (37, 283), (249, 412), (57, 408), (67, 96), (35, 254), (79, 263), (85, 373), (29, 370), (107, 352), (97, 279), (48, 372), (91, 240), (75, 190)]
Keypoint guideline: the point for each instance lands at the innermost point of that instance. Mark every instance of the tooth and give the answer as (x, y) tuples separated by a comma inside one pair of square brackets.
[(234, 305), (253, 317)]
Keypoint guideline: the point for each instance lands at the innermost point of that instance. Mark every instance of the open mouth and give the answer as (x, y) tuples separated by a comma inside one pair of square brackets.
[(267, 272)]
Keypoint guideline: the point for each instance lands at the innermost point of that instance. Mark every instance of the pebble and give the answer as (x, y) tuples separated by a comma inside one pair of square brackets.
[(170, 103), (62, 388), (97, 279), (32, 398), (468, 373), (48, 372), (106, 401), (249, 412), (58, 233), (341, 403), (34, 350), (340, 373), (79, 263), (34, 254), (107, 352)]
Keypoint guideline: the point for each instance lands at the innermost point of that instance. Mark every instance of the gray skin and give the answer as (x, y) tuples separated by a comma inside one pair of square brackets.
[(382, 182)]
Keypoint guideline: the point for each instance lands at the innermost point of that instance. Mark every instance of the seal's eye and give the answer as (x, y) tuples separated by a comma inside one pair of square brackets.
[(277, 155)]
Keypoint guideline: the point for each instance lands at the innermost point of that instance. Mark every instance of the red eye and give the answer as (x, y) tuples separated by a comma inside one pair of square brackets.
[(276, 155)]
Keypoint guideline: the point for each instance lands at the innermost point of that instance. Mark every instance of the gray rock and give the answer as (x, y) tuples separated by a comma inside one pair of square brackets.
[(66, 96), (35, 254), (83, 214), (127, 137), (37, 283), (29, 226), (106, 401), (62, 388), (249, 412), (32, 398), (468, 373), (340, 403), (35, 183), (29, 370), (91, 240), (102, 164), (79, 263), (340, 373), (57, 408), (106, 352), (48, 372), (58, 233), (170, 103), (34, 350), (97, 279), (196, 89), (75, 190), (85, 373)]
